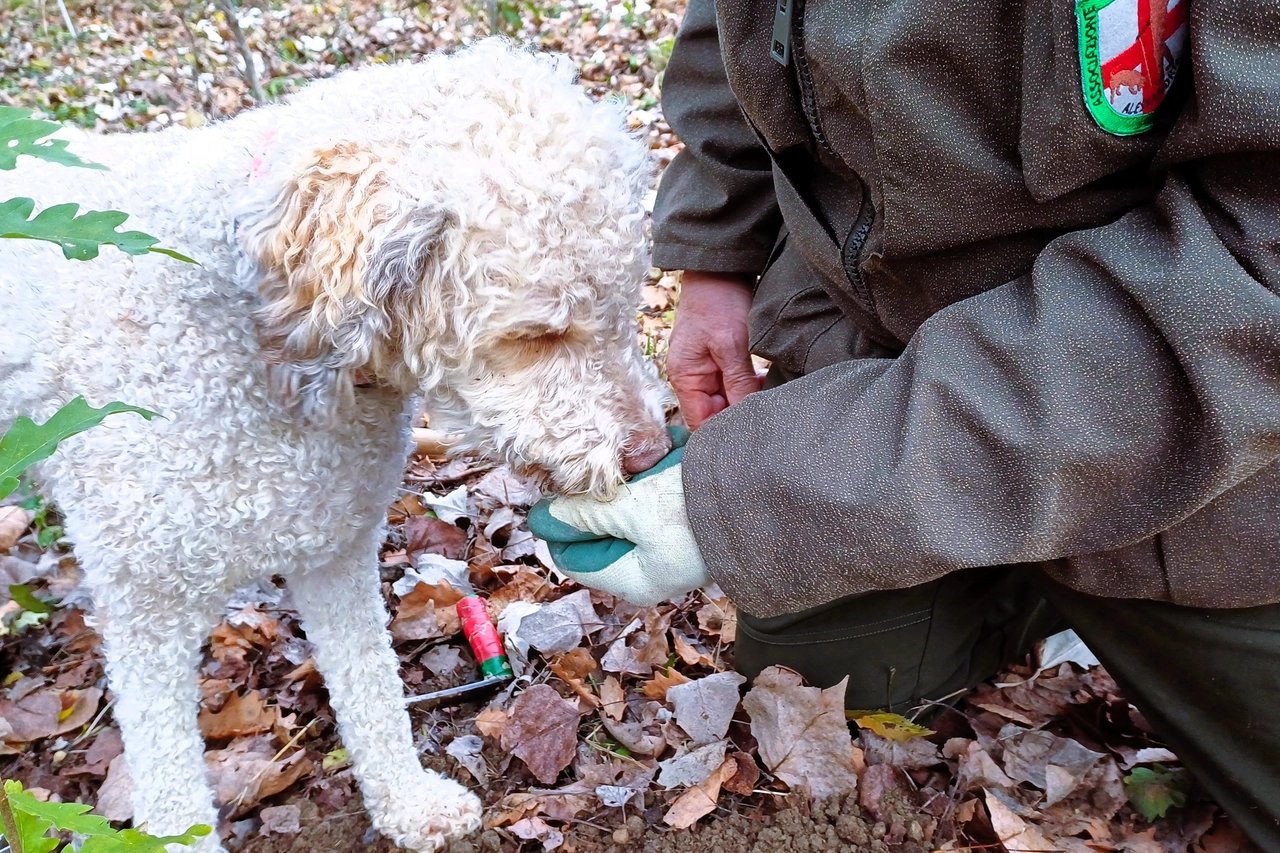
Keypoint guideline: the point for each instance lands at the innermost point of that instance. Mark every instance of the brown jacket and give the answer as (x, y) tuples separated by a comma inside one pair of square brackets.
[(1019, 336)]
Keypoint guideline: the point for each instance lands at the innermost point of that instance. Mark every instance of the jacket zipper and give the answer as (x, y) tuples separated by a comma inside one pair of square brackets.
[(851, 252), (851, 255), (804, 77)]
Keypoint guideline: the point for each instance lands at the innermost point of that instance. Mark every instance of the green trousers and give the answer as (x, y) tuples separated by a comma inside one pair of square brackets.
[(1207, 680)]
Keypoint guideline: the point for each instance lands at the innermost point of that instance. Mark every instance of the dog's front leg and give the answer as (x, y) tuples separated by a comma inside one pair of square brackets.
[(152, 645), (345, 619)]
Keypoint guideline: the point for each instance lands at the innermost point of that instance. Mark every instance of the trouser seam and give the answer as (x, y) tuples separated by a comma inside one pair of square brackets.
[(801, 639), (924, 651)]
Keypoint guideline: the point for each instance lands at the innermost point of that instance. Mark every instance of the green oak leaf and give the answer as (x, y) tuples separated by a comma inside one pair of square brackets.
[(80, 237), (21, 134), (135, 841), (25, 443), (34, 819), (31, 829), (1154, 790), (67, 817)]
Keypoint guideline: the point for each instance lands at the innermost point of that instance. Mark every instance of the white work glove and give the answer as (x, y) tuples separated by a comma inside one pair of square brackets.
[(650, 512)]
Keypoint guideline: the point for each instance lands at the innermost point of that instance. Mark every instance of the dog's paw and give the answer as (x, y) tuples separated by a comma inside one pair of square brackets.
[(438, 810)]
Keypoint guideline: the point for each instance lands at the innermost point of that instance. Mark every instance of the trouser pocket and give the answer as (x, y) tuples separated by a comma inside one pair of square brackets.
[(901, 647)]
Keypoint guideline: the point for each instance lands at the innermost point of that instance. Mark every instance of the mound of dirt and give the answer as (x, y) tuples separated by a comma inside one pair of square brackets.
[(836, 825)]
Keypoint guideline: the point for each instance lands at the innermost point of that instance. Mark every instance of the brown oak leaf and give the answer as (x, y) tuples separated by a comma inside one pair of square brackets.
[(542, 730), (240, 715)]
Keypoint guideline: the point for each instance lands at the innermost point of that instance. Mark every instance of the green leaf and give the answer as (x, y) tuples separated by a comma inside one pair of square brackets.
[(334, 758), (22, 594), (31, 829), (1154, 790), (80, 237), (136, 841), (34, 819), (67, 817), (21, 134), (26, 444), (48, 535), (895, 727)]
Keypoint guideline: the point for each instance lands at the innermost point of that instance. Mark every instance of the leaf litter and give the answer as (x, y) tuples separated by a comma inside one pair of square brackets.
[(627, 728)]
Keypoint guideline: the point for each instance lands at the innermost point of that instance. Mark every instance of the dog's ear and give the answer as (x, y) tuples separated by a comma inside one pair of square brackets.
[(331, 245)]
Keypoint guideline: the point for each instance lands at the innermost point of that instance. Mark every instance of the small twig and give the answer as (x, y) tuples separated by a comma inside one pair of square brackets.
[(66, 19), (293, 741), (242, 44), (90, 730), (433, 442), (200, 98)]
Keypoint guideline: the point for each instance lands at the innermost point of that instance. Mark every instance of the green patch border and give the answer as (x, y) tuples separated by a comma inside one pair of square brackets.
[(1093, 89)]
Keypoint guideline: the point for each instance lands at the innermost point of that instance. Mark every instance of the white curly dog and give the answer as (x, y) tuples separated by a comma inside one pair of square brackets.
[(466, 232)]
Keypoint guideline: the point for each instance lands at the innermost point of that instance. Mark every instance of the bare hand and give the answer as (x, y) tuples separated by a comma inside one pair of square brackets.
[(709, 363)]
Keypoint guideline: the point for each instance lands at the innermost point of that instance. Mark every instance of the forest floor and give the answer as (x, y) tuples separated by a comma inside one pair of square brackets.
[(626, 729)]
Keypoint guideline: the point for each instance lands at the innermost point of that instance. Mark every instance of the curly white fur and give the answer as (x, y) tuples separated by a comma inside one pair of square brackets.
[(465, 231)]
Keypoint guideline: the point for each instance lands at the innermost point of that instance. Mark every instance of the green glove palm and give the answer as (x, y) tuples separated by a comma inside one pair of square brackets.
[(637, 546)]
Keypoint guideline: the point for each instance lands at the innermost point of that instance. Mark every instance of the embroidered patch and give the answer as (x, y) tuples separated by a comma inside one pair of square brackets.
[(1130, 52)]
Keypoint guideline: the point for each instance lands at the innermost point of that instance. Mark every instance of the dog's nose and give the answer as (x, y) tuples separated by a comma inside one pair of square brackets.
[(645, 450)]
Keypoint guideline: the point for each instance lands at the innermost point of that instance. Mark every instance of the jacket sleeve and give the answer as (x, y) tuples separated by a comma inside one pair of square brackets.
[(1128, 379), (715, 209)]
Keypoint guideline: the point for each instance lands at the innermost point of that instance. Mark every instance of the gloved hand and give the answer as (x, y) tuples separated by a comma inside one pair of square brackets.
[(637, 546)]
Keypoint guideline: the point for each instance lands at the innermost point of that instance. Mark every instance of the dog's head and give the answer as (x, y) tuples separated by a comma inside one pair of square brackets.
[(471, 229)]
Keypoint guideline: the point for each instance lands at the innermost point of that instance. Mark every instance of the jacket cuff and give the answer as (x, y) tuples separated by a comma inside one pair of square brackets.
[(736, 520), (675, 256)]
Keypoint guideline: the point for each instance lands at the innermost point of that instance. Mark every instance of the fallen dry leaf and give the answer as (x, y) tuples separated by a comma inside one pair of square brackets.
[(1014, 832), (634, 737), (1030, 756), (511, 808), (45, 713), (802, 734), (424, 533), (542, 730), (240, 715), (115, 796), (281, 820), (106, 746), (686, 652), (466, 750), (720, 618), (891, 726), (537, 829), (428, 612), (612, 698), (491, 721), (260, 629), (578, 686), (246, 772), (743, 782), (691, 766), (524, 586), (14, 521), (976, 768), (700, 800), (704, 707), (910, 754), (575, 664), (662, 682), (557, 626), (878, 782)]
